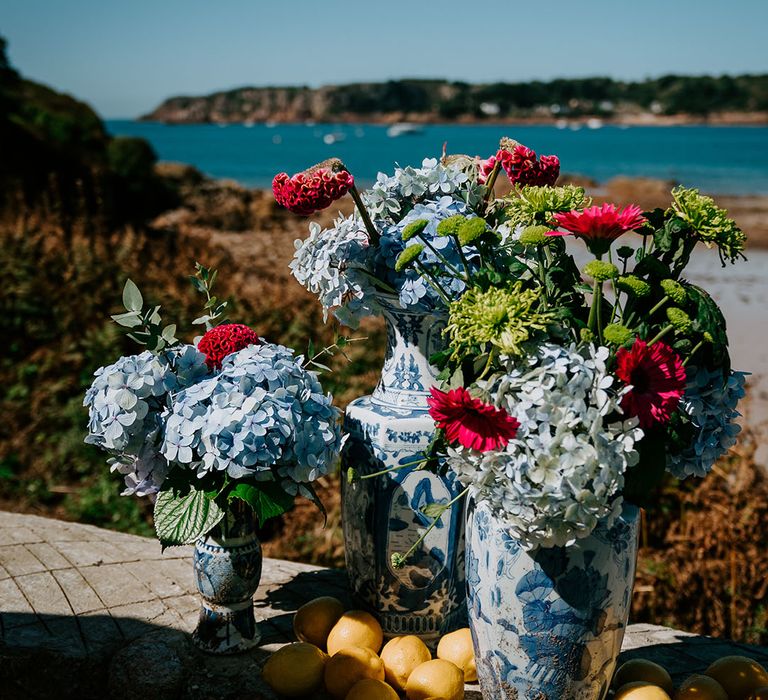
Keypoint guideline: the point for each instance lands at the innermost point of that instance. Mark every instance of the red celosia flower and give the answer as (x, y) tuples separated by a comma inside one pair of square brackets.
[(314, 189), (521, 166), (469, 421), (657, 377), (600, 226), (223, 340)]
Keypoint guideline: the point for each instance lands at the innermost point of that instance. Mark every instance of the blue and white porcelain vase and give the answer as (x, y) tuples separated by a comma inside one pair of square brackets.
[(548, 624), (382, 515), (227, 565)]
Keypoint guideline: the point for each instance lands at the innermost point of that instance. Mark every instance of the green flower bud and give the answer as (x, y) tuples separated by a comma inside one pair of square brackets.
[(707, 337), (351, 475), (451, 225), (634, 285), (587, 336), (414, 229), (533, 236), (408, 256), (679, 319), (625, 252), (616, 334), (471, 230), (601, 271), (675, 291), (398, 560)]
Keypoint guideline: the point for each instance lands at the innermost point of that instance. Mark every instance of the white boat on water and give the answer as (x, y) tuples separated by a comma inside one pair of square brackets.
[(594, 123), (334, 137), (403, 129)]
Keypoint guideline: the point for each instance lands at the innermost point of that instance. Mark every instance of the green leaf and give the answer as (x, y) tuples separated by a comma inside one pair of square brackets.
[(197, 284), (132, 299), (131, 319), (169, 333), (201, 320), (433, 510), (267, 499), (182, 520)]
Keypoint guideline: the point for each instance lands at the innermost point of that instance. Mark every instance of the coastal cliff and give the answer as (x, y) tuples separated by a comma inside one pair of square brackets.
[(666, 100)]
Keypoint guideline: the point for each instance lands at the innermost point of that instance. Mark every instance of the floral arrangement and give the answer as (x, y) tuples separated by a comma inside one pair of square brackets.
[(232, 417), (574, 374)]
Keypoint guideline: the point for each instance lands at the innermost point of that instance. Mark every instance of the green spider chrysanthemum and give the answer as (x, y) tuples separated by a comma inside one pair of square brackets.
[(633, 285), (502, 318), (675, 291), (710, 223), (679, 319), (470, 230), (533, 236), (451, 225), (531, 203), (408, 256), (414, 229), (601, 271), (617, 334)]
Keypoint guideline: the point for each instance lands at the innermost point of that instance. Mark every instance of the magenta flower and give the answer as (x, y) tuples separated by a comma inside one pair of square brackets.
[(600, 226)]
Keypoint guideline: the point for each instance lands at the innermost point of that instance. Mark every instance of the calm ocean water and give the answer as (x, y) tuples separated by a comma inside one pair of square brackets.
[(724, 160)]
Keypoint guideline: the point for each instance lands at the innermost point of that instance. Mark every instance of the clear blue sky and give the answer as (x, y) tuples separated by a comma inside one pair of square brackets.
[(125, 56)]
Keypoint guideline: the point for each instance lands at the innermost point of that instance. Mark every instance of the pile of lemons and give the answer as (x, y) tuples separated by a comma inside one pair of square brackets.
[(729, 678), (342, 653)]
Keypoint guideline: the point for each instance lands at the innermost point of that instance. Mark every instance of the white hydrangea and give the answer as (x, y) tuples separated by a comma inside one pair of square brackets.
[(710, 402), (564, 471)]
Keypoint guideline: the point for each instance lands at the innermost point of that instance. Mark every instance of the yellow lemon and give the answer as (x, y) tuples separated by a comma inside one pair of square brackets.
[(643, 670), (640, 690), (700, 687), (314, 620), (436, 680), (760, 694), (355, 628), (295, 670), (400, 656), (739, 676), (348, 666), (371, 689), (457, 648)]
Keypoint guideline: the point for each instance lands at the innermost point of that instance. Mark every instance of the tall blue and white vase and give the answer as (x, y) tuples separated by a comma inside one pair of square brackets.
[(382, 515), (548, 623), (227, 566)]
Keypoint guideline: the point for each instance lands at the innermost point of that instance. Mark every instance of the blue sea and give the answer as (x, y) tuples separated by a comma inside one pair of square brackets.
[(721, 160)]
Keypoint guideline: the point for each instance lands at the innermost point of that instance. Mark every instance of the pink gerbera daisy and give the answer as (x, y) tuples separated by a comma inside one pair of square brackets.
[(470, 422), (657, 377), (600, 226)]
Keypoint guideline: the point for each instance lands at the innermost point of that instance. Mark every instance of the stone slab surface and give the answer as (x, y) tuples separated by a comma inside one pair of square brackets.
[(91, 613)]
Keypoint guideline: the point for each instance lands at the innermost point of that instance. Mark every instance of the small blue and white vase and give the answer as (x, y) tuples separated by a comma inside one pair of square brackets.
[(548, 623), (227, 565), (382, 515)]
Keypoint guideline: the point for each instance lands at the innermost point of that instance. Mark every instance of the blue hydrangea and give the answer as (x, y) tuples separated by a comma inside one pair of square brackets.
[(263, 417), (125, 403), (710, 401)]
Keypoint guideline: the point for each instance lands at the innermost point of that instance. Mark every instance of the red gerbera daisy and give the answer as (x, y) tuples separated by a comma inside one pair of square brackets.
[(223, 340), (600, 226), (657, 377), (522, 167), (313, 189), (470, 422)]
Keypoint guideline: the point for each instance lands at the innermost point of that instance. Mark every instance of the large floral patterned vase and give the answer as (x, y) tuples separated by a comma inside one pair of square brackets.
[(548, 624), (382, 515), (227, 566)]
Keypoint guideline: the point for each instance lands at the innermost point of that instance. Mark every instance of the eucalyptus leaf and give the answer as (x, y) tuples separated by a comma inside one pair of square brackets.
[(132, 299), (130, 319), (182, 520)]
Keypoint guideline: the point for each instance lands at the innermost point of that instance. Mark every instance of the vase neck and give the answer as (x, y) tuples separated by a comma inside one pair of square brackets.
[(412, 338)]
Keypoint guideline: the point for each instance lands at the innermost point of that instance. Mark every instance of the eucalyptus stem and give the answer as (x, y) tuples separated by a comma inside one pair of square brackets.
[(660, 334), (373, 234), (399, 560)]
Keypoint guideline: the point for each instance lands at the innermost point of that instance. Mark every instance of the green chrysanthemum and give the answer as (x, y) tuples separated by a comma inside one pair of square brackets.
[(675, 291), (601, 271), (502, 318), (617, 334), (414, 229), (586, 335), (633, 285), (533, 236), (710, 223), (679, 319), (529, 203), (451, 225), (408, 256), (470, 230)]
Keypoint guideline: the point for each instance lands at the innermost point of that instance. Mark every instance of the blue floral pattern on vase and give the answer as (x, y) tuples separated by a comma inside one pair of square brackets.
[(227, 566), (548, 624), (383, 515)]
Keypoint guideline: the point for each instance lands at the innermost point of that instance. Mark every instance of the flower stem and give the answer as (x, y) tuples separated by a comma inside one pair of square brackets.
[(373, 234), (660, 334), (463, 257), (658, 306), (490, 182), (432, 280), (594, 311), (423, 460), (443, 259), (696, 348), (398, 561)]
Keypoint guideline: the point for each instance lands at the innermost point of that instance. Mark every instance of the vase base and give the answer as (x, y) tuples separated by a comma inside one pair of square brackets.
[(226, 630)]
